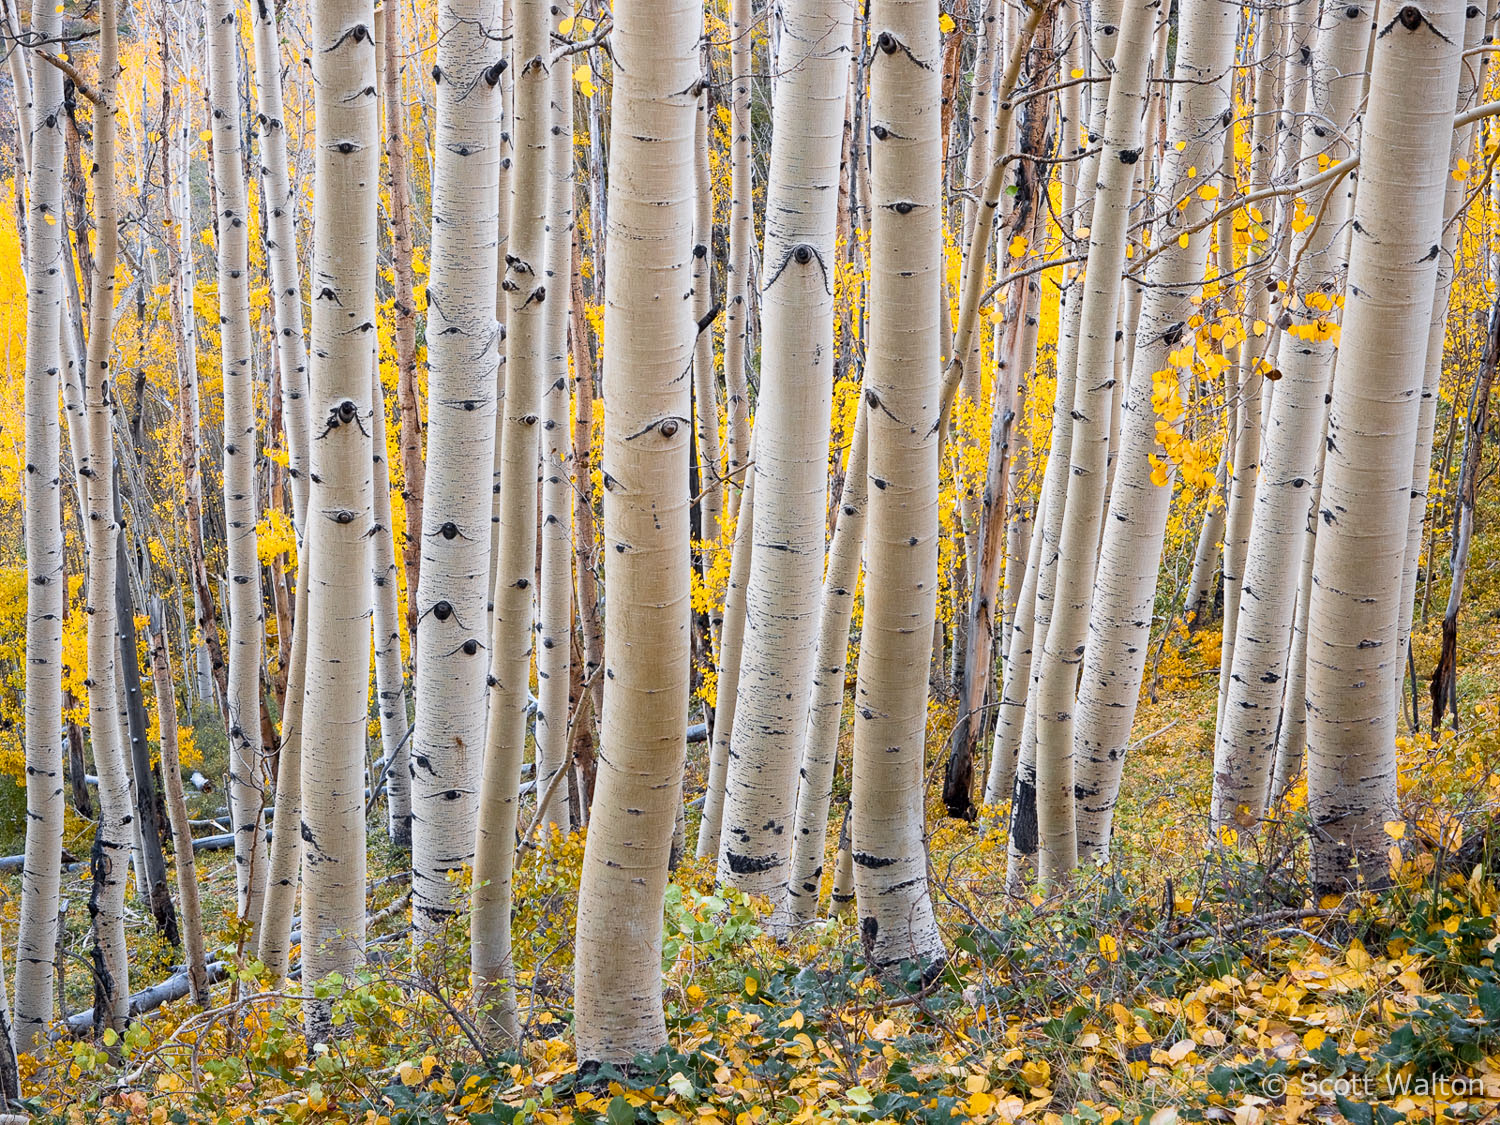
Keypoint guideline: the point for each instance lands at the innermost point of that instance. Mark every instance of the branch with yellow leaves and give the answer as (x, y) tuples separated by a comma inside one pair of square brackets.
[(71, 72)]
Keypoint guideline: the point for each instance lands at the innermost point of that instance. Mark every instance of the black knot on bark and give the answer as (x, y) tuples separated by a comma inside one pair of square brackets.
[(442, 611), (803, 254), (449, 530), (880, 131), (1471, 11), (1352, 11), (1410, 17), (496, 69), (344, 517), (886, 43), (668, 427), (903, 208), (437, 73), (345, 147), (347, 411), (470, 647)]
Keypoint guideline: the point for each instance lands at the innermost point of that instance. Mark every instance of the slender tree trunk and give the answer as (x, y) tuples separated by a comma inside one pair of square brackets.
[(741, 246), (46, 256), (112, 838), (791, 449), (1470, 84), (731, 638), (554, 656), (526, 367), (901, 392), (1352, 618), (247, 778), (826, 711), (336, 705), (1444, 683), (177, 812), (705, 382), (648, 431), (413, 470), (462, 357), (1054, 677), (584, 559), (390, 678), (281, 253)]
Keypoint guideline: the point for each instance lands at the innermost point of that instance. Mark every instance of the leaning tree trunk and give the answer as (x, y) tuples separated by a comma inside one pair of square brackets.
[(1445, 676), (462, 359), (901, 398), (112, 836), (1246, 745), (826, 709), (247, 781), (281, 253), (336, 707), (41, 874), (727, 682), (791, 448), (1372, 431), (528, 296), (647, 435), (177, 812), (1055, 675)]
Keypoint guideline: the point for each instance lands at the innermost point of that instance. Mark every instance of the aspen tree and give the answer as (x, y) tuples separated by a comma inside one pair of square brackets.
[(247, 780), (1470, 84), (46, 257), (113, 836), (791, 447), (390, 679), (826, 708), (177, 811), (462, 359), (413, 471), (648, 331), (336, 709), (1054, 676), (1130, 550), (1245, 749), (556, 593), (741, 246), (902, 384), (281, 252), (710, 460), (1353, 631), (528, 295), (731, 639)]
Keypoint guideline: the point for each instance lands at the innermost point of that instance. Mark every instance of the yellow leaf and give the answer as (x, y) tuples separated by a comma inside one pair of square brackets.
[(1314, 1039), (1183, 240), (1076, 72), (752, 986), (1108, 947), (566, 27), (1395, 829), (946, 24), (1017, 246)]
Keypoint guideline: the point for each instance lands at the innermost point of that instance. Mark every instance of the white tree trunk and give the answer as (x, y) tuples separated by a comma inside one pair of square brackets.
[(528, 295), (462, 357), (340, 524), (1054, 676), (1372, 432), (826, 710), (554, 654), (902, 387), (41, 874), (247, 776), (113, 836), (791, 448), (648, 430)]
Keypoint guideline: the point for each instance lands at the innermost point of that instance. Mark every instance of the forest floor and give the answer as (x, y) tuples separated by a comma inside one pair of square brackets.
[(1182, 983)]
